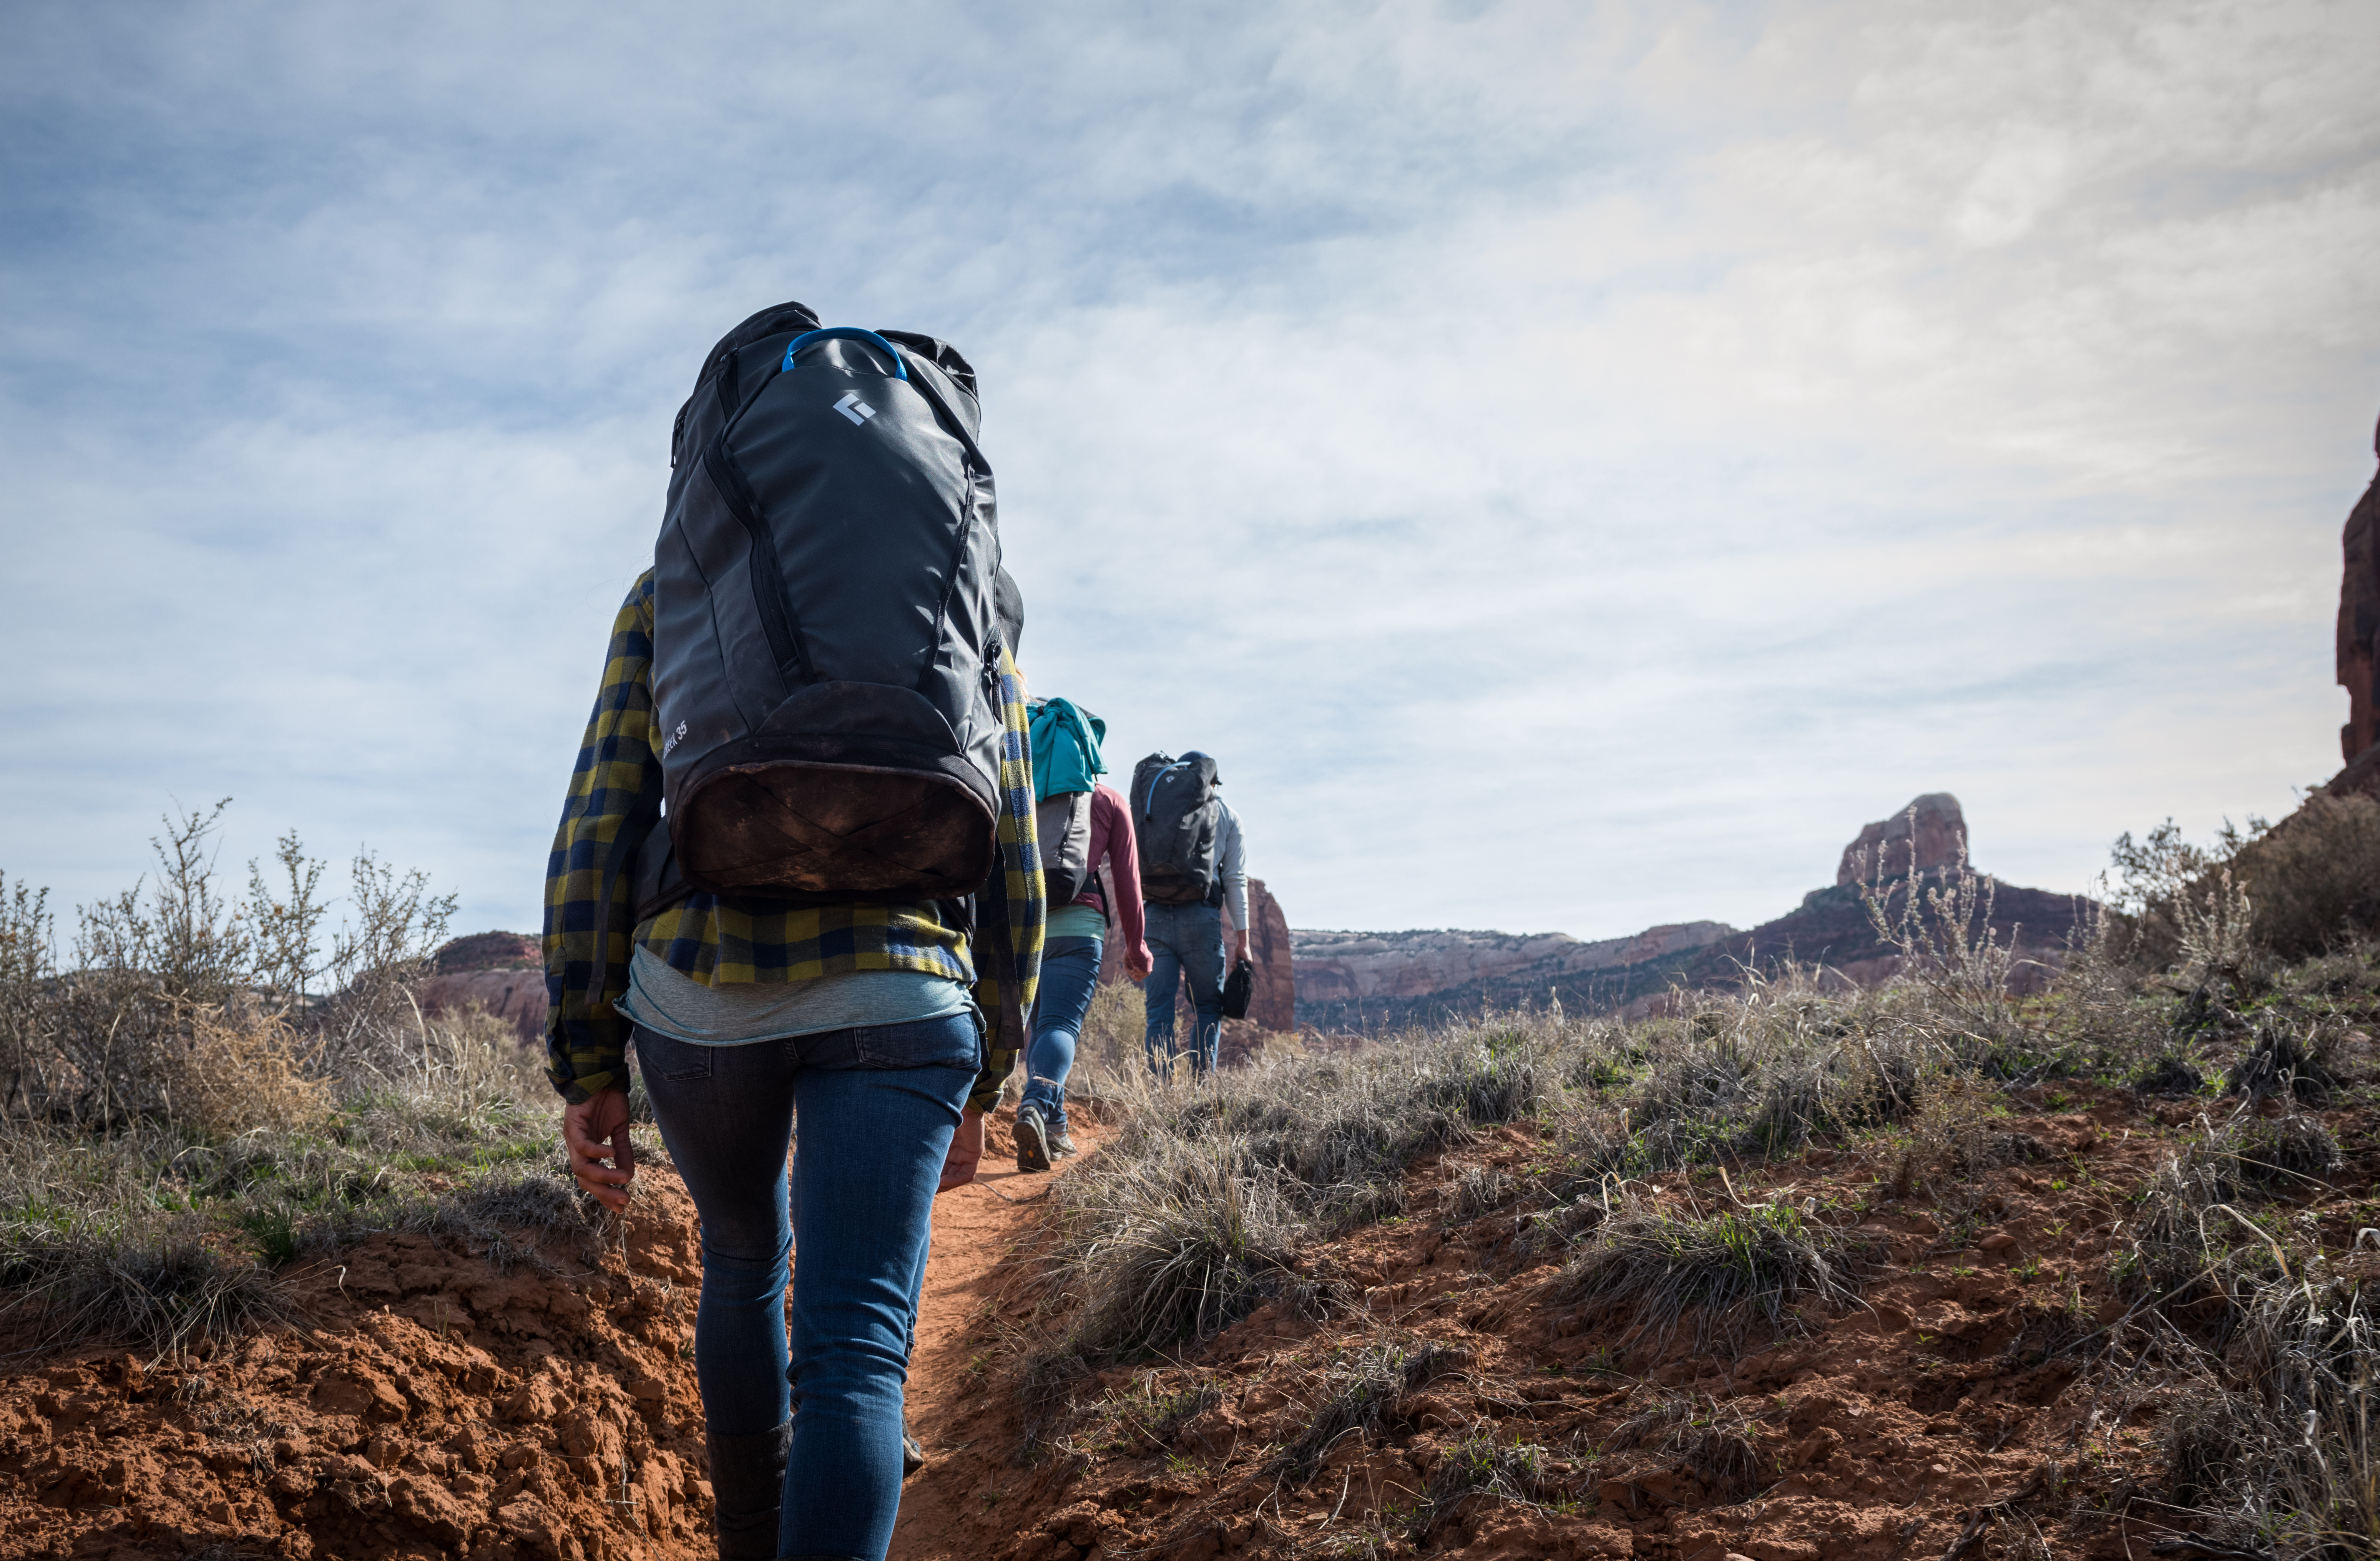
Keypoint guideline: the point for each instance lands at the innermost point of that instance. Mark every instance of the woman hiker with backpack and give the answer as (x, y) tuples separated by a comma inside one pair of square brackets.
[(1082, 824), (796, 942)]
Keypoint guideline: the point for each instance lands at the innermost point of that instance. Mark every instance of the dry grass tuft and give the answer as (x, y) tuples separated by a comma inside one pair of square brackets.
[(1478, 1465), (1716, 1443), (1367, 1390), (1737, 1266)]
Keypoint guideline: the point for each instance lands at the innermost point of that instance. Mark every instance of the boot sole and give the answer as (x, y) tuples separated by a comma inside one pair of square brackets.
[(1032, 1146)]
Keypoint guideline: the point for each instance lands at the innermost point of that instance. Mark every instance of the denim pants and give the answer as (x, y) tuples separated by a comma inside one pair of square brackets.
[(1187, 943), (874, 1109), (1069, 973)]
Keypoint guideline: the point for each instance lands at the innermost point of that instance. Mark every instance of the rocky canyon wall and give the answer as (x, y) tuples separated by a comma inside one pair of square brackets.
[(2358, 644)]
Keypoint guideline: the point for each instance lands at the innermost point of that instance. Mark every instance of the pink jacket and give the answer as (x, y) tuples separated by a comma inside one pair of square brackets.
[(1113, 843)]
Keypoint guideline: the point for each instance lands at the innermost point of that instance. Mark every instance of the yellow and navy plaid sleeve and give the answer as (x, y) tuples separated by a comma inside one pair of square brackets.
[(584, 1040), (1020, 860)]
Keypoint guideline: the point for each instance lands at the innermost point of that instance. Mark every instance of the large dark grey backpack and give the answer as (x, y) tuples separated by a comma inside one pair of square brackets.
[(1175, 817), (826, 627)]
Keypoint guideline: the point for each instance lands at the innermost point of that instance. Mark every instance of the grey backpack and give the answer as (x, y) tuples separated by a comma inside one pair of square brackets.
[(1063, 825), (828, 624)]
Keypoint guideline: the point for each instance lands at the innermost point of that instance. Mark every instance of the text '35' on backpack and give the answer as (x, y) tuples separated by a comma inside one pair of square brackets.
[(827, 622), (1175, 814)]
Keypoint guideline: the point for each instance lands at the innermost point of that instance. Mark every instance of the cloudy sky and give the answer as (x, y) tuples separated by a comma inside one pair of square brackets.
[(1572, 464)]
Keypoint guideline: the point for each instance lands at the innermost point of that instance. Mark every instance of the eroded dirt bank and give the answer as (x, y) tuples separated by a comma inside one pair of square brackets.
[(432, 1402), (428, 1404)]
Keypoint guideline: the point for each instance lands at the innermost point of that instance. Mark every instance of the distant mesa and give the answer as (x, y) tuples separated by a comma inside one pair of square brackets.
[(1372, 981), (489, 950), (1341, 967), (503, 972)]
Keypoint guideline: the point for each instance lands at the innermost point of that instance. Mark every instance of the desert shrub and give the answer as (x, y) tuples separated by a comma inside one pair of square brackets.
[(1475, 1191), (151, 1285), (243, 1070), (2278, 1152), (2169, 1072), (2288, 1055), (1736, 1265), (2189, 1238), (2289, 891), (1170, 1246), (2314, 877), (107, 1038), (208, 1092)]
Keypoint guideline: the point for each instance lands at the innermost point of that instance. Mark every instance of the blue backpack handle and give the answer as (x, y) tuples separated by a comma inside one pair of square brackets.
[(848, 332)]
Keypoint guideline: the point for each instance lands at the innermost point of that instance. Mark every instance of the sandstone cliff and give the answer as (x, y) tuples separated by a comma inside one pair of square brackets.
[(1933, 823)]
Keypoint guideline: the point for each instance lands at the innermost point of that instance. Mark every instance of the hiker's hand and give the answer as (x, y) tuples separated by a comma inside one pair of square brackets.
[(595, 1130), (967, 1151), (1239, 946), (1139, 963)]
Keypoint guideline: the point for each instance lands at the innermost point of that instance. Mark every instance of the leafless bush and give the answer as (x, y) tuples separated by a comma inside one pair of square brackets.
[(1943, 935)]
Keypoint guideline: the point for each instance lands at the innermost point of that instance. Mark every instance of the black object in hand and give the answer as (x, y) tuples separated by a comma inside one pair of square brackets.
[(1239, 990)]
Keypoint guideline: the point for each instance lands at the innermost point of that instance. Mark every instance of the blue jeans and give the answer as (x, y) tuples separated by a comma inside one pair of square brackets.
[(877, 1108), (1187, 942), (1069, 973)]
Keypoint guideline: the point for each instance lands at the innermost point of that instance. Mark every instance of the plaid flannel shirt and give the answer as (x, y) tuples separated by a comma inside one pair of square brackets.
[(719, 941)]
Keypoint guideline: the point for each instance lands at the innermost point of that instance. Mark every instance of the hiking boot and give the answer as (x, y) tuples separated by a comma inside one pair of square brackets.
[(747, 1481), (1032, 1140), (1061, 1143), (913, 1456)]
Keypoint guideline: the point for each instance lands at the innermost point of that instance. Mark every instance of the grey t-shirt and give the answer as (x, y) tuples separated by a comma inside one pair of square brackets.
[(662, 998)]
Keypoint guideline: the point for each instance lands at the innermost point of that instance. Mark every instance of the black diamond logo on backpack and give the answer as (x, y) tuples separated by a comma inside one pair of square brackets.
[(854, 408)]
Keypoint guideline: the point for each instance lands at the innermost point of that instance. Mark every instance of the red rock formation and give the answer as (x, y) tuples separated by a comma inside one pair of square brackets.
[(1275, 1007), (502, 971), (2359, 642), (1882, 850)]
